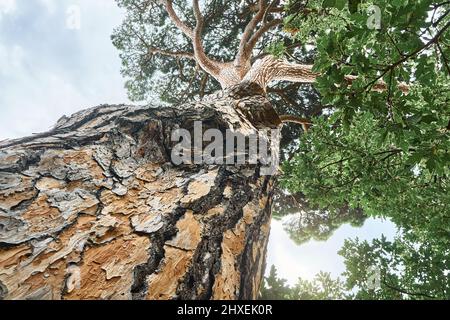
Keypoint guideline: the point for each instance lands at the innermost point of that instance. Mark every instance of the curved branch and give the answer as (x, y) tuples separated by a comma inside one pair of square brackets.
[(175, 54), (270, 68), (249, 29), (198, 16), (176, 20), (249, 41), (305, 123), (258, 34), (205, 63), (208, 65)]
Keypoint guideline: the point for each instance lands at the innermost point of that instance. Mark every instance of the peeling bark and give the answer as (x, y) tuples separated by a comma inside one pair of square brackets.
[(94, 208)]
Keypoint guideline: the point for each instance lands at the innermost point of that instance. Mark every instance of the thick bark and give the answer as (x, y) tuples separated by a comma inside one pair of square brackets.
[(95, 209), (270, 68)]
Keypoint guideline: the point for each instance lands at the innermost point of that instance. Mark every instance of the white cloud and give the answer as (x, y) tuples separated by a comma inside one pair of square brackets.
[(41, 83), (7, 7), (11, 59), (50, 5), (32, 99)]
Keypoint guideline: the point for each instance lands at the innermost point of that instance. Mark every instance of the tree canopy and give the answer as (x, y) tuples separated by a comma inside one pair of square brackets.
[(405, 268), (386, 152), (322, 287), (402, 269), (304, 221)]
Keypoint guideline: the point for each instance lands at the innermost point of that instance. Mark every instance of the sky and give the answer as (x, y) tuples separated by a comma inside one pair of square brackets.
[(293, 261), (56, 58)]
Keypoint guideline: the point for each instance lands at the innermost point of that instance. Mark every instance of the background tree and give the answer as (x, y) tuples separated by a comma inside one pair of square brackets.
[(274, 288), (304, 222), (402, 269), (322, 287), (385, 152), (405, 268)]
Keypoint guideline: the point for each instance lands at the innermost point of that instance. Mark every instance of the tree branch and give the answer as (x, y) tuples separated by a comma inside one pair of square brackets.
[(258, 34), (270, 68), (268, 9), (249, 29), (176, 20), (208, 65), (405, 58), (205, 63), (420, 294), (175, 54), (305, 123)]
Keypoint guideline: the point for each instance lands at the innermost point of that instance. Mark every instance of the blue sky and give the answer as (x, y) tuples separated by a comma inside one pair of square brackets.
[(56, 58)]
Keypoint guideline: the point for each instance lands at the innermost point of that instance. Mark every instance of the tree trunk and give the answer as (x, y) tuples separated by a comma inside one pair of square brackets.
[(95, 209)]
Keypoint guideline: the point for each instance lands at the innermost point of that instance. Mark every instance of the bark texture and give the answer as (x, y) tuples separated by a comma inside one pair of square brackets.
[(94, 209)]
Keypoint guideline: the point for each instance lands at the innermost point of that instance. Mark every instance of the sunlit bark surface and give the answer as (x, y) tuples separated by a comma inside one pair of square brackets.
[(95, 209)]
